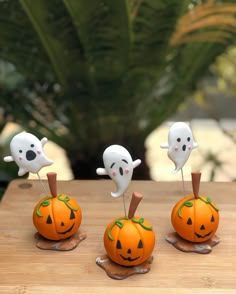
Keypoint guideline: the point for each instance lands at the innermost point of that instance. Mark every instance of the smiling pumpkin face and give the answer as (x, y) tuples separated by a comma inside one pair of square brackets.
[(195, 219), (57, 218), (129, 242)]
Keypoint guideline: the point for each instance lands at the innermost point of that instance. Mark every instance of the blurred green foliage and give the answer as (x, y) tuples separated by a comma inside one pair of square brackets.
[(90, 73)]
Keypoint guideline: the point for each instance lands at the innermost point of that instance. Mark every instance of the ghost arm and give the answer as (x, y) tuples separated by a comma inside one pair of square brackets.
[(195, 145), (44, 141), (101, 171), (164, 146), (136, 163), (8, 159)]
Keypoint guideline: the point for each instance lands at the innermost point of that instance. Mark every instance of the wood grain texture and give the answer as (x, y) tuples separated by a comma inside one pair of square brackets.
[(26, 269)]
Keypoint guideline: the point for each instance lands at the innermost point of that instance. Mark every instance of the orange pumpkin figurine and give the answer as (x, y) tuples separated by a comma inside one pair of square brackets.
[(195, 218), (58, 216), (129, 241)]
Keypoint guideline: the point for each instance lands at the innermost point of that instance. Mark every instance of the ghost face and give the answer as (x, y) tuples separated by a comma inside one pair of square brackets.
[(27, 152), (180, 144), (119, 166)]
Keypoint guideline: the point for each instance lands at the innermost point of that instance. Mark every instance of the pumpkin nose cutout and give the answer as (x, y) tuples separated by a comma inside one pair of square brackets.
[(121, 171), (62, 224), (202, 227), (129, 251), (30, 155)]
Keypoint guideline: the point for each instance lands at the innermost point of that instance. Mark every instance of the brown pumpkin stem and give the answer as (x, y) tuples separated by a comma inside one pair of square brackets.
[(52, 181), (196, 177), (136, 198)]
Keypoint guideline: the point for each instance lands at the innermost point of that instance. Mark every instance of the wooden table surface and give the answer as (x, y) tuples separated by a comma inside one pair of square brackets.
[(26, 269)]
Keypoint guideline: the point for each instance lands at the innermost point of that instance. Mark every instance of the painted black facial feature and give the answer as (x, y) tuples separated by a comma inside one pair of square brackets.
[(67, 231), (189, 221), (184, 147), (121, 171), (49, 220), (203, 236), (20, 151), (178, 140), (125, 161), (30, 155), (188, 139), (212, 219), (202, 227), (72, 214), (140, 244), (118, 245), (112, 165), (62, 224), (129, 251), (32, 145)]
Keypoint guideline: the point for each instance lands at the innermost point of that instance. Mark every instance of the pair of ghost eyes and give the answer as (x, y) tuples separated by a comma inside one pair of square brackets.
[(115, 163), (118, 244), (179, 139), (189, 221), (49, 219), (32, 145)]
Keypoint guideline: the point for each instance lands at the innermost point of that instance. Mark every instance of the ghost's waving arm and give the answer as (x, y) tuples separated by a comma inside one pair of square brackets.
[(136, 163), (44, 141), (8, 158), (164, 146), (101, 171)]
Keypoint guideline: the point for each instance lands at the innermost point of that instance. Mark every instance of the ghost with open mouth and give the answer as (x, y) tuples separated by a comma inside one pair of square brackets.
[(27, 152), (180, 144), (119, 166)]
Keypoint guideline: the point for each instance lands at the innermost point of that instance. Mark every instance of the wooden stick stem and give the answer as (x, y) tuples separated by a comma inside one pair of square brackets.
[(52, 181), (136, 198), (196, 177)]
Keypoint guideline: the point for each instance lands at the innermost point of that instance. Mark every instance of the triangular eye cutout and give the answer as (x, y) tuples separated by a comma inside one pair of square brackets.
[(140, 244), (49, 220), (189, 221), (72, 214), (212, 218), (118, 245)]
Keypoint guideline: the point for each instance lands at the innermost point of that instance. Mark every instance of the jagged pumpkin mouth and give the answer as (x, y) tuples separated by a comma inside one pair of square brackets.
[(129, 258), (67, 231), (203, 236)]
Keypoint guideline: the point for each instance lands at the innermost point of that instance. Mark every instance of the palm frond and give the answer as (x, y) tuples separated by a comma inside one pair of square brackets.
[(67, 63), (152, 27), (208, 17), (103, 28), (18, 43)]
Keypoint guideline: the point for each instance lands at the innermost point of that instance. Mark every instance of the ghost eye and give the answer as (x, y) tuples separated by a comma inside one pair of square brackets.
[(125, 161), (188, 139), (112, 165), (20, 151), (178, 140), (32, 145)]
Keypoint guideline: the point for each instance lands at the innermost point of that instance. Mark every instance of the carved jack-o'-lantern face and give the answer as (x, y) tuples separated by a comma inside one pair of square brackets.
[(57, 218), (195, 219), (129, 242)]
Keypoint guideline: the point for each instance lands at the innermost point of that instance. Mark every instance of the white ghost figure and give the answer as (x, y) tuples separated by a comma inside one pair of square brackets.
[(27, 152), (119, 166), (180, 144)]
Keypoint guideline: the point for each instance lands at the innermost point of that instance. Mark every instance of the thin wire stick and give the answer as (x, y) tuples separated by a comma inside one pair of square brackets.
[(124, 205), (182, 175), (42, 185)]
